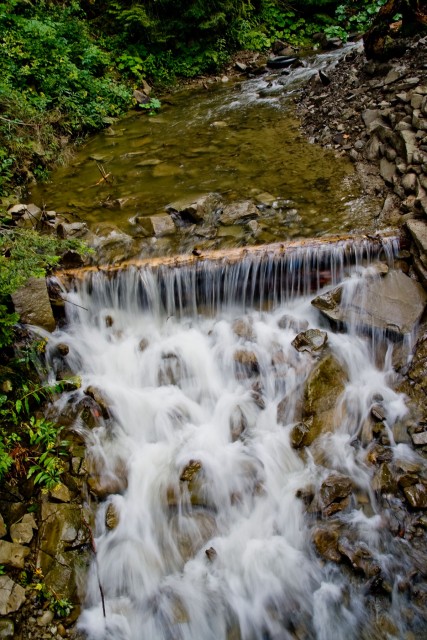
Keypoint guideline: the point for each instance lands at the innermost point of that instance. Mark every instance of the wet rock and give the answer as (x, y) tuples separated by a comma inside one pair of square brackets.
[(62, 349), (192, 533), (378, 413), (384, 480), (416, 495), (12, 554), (243, 328), (238, 424), (324, 386), (159, 225), (359, 557), (393, 303), (334, 493), (26, 216), (326, 543), (97, 396), (310, 340), (294, 324), (238, 212), (246, 363), (211, 554), (12, 596), (62, 537), (190, 471), (32, 304), (300, 433), (112, 517), (102, 482)]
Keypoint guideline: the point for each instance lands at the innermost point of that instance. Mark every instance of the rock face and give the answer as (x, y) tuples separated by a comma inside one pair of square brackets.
[(394, 304), (32, 303)]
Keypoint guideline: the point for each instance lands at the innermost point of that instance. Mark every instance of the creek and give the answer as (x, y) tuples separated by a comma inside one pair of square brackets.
[(238, 139), (242, 466)]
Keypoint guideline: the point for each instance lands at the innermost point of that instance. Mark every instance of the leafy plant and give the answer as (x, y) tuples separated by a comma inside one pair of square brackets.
[(153, 106), (61, 607)]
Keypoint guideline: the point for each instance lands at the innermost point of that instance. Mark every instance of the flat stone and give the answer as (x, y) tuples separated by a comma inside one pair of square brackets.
[(12, 554), (32, 304), (12, 596), (238, 212), (160, 225)]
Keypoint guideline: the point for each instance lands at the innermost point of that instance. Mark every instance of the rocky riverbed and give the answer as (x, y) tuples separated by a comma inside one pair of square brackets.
[(376, 113)]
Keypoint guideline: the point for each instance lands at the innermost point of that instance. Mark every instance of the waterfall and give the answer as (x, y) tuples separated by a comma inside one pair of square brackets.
[(217, 514)]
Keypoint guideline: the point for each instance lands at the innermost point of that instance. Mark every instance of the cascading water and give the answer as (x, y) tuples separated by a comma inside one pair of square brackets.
[(213, 535)]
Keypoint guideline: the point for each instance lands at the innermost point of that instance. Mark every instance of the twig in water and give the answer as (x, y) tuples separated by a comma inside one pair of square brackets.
[(106, 177)]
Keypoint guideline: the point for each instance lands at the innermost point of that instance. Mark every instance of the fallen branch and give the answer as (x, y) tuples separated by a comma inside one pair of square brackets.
[(105, 177)]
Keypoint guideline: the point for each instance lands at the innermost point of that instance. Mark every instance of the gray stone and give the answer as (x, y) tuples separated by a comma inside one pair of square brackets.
[(419, 439), (112, 516), (195, 209), (387, 171), (159, 225), (410, 144), (410, 183), (418, 121), (32, 304), (72, 230), (45, 619), (394, 303), (238, 212), (12, 554), (12, 596), (416, 101), (394, 75)]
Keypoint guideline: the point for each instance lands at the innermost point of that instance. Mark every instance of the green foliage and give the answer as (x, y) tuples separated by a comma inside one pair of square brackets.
[(152, 106), (47, 465), (353, 17)]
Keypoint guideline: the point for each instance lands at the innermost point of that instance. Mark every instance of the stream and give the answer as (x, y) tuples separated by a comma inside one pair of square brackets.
[(234, 434)]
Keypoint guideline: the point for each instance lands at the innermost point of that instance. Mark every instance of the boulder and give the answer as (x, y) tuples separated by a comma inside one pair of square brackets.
[(334, 494), (12, 596), (326, 542), (394, 303), (32, 304), (21, 532), (246, 363)]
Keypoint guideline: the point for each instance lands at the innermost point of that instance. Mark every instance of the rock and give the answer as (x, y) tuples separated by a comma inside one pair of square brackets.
[(21, 532), (7, 628), (384, 480), (159, 225), (12, 597), (243, 328), (410, 183), (238, 424), (112, 517), (334, 494), (3, 529), (32, 304), (359, 556), (281, 62), (141, 97), (238, 212), (246, 363), (190, 471), (26, 215), (416, 495), (240, 66), (419, 439), (418, 231), (211, 554), (12, 554), (60, 493), (294, 324), (323, 387), (165, 170), (387, 171), (326, 543), (310, 340), (72, 230), (195, 210), (394, 303), (96, 394), (45, 619), (301, 433), (378, 412)]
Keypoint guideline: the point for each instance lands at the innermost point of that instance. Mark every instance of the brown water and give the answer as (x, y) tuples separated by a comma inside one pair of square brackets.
[(227, 139)]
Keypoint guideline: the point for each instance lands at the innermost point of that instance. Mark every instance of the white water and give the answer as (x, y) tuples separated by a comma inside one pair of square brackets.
[(183, 398)]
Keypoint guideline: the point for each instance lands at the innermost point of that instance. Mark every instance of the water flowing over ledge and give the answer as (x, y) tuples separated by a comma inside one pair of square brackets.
[(237, 473)]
